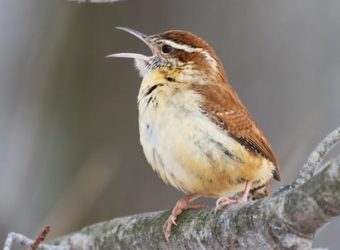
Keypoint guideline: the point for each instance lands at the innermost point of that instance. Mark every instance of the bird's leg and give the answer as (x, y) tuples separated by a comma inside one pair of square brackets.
[(225, 201), (181, 205)]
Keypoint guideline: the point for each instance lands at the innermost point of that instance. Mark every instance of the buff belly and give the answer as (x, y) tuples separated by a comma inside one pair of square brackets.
[(194, 155)]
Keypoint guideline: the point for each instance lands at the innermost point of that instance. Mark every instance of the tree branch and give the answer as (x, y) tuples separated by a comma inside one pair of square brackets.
[(317, 156), (287, 220)]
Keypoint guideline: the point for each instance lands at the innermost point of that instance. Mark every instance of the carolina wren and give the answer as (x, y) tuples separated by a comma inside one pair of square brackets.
[(195, 131)]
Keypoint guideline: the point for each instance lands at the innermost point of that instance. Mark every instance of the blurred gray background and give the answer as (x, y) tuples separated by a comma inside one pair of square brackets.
[(69, 145)]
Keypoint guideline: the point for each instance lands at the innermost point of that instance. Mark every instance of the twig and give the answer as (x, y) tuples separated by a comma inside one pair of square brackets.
[(41, 237), (25, 241), (316, 157)]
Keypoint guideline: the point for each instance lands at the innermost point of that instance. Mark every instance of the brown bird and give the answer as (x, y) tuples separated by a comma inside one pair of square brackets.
[(195, 131)]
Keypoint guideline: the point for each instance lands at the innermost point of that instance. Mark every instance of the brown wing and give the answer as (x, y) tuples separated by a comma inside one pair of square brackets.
[(226, 109)]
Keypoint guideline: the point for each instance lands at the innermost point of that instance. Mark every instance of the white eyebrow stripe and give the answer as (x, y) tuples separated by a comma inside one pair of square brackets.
[(190, 49), (184, 47)]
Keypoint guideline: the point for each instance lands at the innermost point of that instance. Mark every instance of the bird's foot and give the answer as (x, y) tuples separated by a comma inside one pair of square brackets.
[(181, 205), (225, 201)]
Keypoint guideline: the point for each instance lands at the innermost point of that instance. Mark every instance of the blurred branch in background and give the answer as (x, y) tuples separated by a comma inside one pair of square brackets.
[(95, 1)]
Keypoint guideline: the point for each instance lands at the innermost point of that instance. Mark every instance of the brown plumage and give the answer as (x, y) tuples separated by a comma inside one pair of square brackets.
[(225, 108)]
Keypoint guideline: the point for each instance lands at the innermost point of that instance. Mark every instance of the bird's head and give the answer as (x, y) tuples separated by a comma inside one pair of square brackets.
[(178, 55)]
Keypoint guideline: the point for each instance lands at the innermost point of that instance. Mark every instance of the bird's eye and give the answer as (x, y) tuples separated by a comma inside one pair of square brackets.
[(167, 49)]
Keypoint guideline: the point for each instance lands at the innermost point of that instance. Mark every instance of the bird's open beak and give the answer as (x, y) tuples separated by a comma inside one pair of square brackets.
[(142, 37)]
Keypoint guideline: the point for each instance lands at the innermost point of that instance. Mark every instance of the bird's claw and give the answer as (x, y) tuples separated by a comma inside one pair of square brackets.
[(174, 222), (167, 228)]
